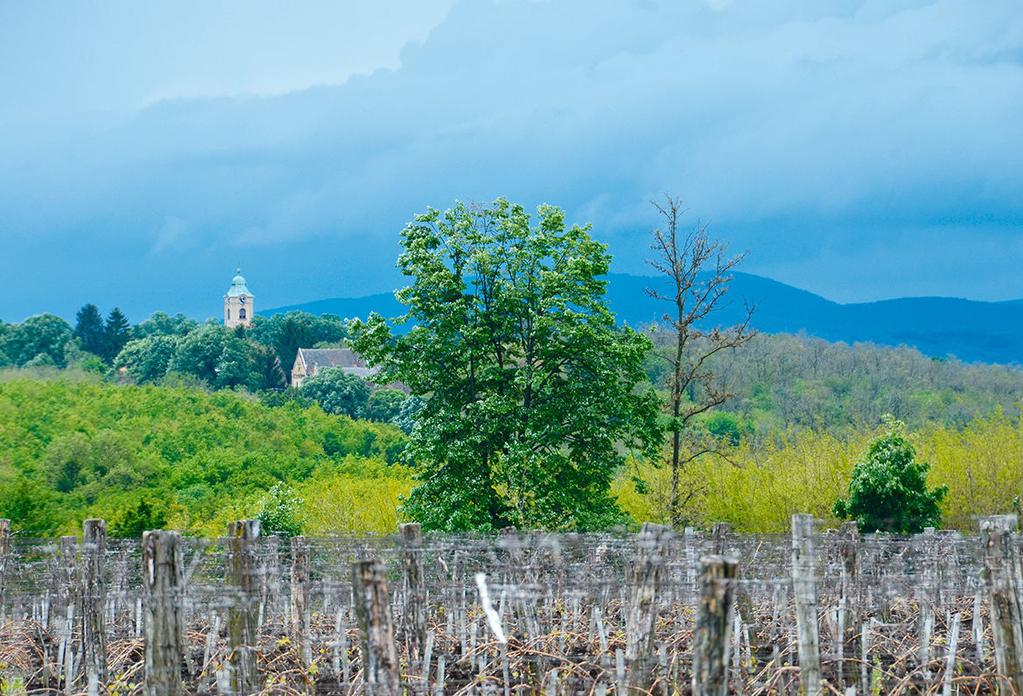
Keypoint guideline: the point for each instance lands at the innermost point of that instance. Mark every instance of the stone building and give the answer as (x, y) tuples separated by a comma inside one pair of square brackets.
[(238, 308), (310, 360)]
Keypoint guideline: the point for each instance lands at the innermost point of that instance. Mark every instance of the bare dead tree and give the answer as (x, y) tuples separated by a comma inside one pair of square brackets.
[(700, 272)]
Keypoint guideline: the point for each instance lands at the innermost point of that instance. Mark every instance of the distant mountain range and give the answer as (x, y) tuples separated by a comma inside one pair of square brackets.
[(938, 326)]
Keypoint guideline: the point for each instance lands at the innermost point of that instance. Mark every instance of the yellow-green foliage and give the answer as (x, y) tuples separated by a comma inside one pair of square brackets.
[(358, 499), (758, 488), (179, 457)]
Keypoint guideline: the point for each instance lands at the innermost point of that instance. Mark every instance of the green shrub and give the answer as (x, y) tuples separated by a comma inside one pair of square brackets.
[(888, 491)]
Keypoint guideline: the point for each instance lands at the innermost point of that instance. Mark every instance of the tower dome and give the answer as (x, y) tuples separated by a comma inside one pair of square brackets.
[(238, 305), (238, 287)]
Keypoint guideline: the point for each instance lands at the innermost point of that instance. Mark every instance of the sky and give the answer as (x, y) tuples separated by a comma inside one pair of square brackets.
[(860, 149)]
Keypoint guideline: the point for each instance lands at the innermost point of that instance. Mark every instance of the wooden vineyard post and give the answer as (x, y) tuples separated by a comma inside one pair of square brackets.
[(5, 551), (162, 588), (719, 537), (379, 652), (1003, 574), (64, 609), (925, 595), (641, 619), (413, 617), (849, 599), (804, 587), (242, 630), (93, 591), (712, 638), (300, 608)]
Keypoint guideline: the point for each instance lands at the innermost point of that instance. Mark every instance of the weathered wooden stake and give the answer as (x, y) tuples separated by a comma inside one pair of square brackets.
[(94, 597), (714, 625), (5, 551), (412, 623), (162, 589), (301, 611), (719, 536), (925, 594), (242, 628), (804, 587), (1002, 567), (64, 619), (379, 652), (849, 599), (641, 619), (950, 658)]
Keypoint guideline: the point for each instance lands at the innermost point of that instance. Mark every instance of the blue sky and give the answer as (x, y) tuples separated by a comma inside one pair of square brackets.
[(859, 149)]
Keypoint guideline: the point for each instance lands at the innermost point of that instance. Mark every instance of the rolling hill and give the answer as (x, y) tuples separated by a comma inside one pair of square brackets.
[(937, 326)]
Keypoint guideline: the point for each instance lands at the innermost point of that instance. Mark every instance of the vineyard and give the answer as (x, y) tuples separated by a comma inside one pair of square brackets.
[(651, 613)]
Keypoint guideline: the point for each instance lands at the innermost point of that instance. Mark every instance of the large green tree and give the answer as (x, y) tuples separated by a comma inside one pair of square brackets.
[(42, 338), (147, 359), (218, 356), (534, 397)]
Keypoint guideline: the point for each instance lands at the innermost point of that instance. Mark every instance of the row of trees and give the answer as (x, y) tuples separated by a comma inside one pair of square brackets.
[(176, 349), (260, 357)]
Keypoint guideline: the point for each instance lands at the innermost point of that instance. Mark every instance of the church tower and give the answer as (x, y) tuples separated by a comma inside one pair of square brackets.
[(238, 309)]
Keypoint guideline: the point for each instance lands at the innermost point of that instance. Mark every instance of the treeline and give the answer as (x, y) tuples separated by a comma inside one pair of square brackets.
[(778, 381), (145, 457), (258, 357), (783, 381)]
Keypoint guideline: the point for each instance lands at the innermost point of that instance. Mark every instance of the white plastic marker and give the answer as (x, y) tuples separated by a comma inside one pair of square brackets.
[(493, 618)]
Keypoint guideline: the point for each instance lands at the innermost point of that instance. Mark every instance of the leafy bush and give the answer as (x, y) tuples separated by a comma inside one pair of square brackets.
[(280, 511), (888, 491)]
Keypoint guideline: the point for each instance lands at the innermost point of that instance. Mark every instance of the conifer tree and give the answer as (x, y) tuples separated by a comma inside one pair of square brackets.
[(116, 333), (89, 329)]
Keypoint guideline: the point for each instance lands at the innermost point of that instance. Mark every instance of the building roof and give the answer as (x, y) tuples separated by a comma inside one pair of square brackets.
[(345, 358), (238, 288)]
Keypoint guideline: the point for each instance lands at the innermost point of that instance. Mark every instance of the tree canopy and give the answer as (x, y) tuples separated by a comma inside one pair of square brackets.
[(534, 397), (337, 392)]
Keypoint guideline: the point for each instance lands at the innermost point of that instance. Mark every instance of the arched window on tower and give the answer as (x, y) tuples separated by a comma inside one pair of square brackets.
[(241, 313), (229, 314)]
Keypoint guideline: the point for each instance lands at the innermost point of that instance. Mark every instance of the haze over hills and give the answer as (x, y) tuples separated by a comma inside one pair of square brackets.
[(939, 326)]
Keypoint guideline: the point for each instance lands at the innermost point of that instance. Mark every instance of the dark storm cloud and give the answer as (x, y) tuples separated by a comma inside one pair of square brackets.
[(825, 137)]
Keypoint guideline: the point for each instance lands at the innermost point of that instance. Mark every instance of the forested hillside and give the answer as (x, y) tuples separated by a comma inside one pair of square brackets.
[(783, 381), (150, 456)]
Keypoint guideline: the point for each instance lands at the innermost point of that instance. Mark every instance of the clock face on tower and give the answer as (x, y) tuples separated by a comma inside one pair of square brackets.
[(243, 299)]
